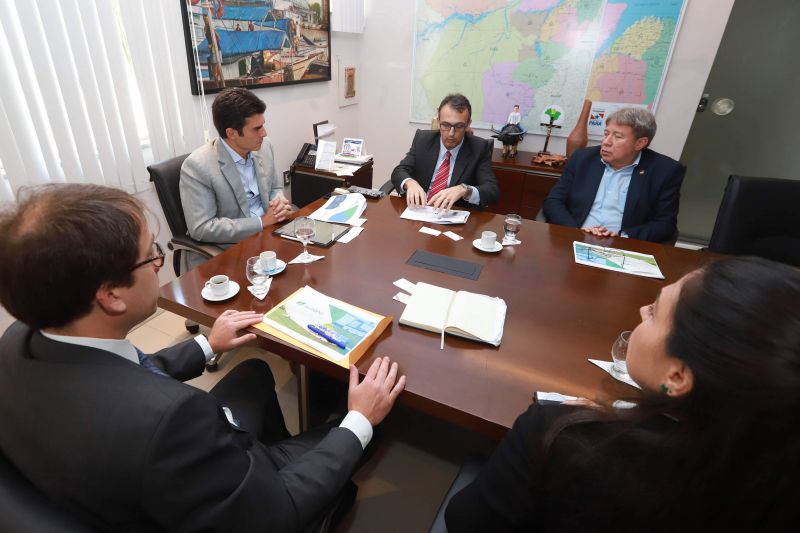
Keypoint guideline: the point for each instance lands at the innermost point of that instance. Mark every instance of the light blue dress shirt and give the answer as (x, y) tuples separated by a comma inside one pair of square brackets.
[(609, 203), (247, 171)]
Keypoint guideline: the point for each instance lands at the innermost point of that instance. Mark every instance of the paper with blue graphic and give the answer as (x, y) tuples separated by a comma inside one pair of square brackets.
[(616, 259), (342, 208)]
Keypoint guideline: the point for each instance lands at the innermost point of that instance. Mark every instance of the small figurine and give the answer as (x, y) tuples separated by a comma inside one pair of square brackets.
[(511, 134)]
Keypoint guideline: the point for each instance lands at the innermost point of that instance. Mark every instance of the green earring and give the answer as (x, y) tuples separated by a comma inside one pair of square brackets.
[(664, 389)]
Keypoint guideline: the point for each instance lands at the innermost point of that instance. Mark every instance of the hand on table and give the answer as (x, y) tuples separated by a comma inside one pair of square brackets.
[(415, 195), (376, 394), (279, 210), (600, 231), (445, 198), (224, 334)]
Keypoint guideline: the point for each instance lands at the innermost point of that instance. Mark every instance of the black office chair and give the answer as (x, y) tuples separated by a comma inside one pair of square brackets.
[(759, 216), (24, 508), (466, 474), (167, 176)]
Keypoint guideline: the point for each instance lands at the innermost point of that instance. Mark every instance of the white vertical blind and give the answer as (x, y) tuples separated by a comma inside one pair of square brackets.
[(92, 91)]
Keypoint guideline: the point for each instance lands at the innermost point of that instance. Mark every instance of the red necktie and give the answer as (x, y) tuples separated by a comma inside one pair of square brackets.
[(440, 180)]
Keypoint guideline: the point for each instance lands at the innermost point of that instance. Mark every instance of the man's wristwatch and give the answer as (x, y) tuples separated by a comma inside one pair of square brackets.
[(467, 191)]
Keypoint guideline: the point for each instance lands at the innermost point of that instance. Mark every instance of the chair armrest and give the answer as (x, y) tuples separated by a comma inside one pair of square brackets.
[(186, 243), (387, 187)]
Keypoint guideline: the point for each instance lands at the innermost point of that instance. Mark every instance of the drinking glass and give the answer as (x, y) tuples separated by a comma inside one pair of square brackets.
[(256, 276), (619, 353), (304, 229), (511, 226)]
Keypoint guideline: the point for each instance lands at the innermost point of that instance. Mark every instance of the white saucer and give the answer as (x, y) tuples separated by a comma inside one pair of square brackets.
[(280, 266), (497, 246), (233, 290)]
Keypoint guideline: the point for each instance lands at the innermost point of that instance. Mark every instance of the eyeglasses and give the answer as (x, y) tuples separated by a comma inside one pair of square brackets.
[(157, 260), (446, 126)]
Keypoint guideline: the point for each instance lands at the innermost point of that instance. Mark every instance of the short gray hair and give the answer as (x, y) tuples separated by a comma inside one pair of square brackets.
[(641, 121)]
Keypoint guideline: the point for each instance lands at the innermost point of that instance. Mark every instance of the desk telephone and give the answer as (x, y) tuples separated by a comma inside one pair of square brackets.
[(307, 156)]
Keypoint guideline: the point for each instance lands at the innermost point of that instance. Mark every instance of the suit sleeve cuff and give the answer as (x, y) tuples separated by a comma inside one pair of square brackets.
[(206, 347), (359, 425), (403, 185), (475, 196)]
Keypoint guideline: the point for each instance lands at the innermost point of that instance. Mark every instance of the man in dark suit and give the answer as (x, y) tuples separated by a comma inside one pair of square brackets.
[(112, 435), (620, 187), (450, 165)]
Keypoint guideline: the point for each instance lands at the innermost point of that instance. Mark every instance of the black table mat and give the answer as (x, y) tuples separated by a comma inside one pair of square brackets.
[(445, 264)]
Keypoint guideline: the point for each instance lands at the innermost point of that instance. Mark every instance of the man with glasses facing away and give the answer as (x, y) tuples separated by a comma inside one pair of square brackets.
[(112, 435), (448, 166)]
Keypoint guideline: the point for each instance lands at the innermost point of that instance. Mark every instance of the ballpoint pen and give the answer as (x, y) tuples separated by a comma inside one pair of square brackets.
[(327, 336)]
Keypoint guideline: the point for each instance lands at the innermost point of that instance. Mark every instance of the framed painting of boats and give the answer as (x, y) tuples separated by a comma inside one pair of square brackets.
[(256, 43)]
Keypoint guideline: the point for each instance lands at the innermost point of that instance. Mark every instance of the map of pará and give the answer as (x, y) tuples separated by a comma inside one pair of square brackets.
[(536, 53)]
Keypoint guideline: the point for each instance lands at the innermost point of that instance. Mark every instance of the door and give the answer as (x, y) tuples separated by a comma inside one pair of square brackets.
[(758, 67)]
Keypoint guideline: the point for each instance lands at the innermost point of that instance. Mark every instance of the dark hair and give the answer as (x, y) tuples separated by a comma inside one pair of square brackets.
[(60, 244), (733, 456), (457, 101), (232, 107)]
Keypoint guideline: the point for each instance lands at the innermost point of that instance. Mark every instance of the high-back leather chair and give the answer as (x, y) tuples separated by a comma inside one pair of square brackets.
[(24, 508), (167, 176), (759, 216)]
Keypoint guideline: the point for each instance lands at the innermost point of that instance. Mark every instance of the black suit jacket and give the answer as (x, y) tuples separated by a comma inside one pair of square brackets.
[(651, 208), (473, 165), (128, 450)]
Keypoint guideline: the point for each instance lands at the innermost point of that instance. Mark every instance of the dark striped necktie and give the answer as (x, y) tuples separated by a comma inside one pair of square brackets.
[(148, 363)]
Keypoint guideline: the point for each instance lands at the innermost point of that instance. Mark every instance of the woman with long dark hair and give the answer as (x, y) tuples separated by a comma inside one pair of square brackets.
[(713, 444)]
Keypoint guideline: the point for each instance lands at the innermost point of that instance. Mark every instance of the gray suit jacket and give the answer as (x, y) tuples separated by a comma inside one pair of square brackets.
[(128, 450), (213, 197)]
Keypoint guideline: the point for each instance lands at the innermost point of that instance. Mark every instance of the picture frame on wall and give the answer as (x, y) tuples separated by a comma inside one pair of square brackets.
[(256, 43), (348, 82)]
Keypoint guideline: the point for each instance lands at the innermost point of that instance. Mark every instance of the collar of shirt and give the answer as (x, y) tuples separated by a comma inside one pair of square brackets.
[(453, 153), (239, 160), (626, 167), (120, 347)]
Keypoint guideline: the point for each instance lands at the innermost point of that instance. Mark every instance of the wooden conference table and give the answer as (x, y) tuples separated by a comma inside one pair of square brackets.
[(559, 313)]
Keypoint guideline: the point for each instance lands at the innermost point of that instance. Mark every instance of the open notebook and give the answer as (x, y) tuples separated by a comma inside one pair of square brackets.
[(466, 314)]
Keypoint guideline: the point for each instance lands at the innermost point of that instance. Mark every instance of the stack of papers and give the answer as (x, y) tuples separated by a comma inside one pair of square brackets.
[(435, 216), (342, 208)]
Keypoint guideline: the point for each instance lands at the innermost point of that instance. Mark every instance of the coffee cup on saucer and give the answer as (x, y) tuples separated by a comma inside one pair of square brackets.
[(488, 240), (218, 285), (268, 261)]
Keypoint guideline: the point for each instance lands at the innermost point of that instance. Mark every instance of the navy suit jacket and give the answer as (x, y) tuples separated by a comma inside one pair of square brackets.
[(128, 450), (651, 208), (473, 165)]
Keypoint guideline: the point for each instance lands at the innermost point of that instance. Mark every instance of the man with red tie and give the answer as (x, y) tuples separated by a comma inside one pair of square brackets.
[(450, 165)]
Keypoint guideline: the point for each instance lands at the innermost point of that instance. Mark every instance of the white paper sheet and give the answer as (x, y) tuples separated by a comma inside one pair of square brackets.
[(326, 150), (430, 231), (351, 234), (406, 285), (455, 236), (606, 365), (402, 297)]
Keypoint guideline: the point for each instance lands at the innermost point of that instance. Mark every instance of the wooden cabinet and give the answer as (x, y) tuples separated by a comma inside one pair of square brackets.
[(309, 184), (523, 185)]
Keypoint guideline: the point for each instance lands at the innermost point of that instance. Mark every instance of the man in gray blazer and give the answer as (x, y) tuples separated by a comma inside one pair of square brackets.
[(112, 435), (230, 188)]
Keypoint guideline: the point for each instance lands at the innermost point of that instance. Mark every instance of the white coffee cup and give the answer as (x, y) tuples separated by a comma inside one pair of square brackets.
[(218, 285), (488, 240), (268, 261)]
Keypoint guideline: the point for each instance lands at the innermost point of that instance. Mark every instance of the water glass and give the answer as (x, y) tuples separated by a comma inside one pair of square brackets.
[(304, 229), (619, 353), (511, 227), (256, 276)]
